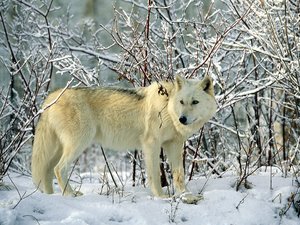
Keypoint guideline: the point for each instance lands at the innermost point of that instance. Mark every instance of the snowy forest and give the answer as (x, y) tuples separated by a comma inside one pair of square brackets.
[(251, 49)]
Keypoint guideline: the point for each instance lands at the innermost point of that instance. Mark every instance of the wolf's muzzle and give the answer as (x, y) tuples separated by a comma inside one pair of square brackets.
[(183, 120)]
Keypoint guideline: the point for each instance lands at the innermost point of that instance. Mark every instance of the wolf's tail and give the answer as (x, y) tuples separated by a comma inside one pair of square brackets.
[(45, 155)]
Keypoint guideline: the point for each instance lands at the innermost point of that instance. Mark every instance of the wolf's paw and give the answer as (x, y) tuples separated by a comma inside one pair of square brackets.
[(162, 196), (159, 194), (189, 198)]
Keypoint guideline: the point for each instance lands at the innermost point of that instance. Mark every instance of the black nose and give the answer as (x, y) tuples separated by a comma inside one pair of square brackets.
[(183, 120)]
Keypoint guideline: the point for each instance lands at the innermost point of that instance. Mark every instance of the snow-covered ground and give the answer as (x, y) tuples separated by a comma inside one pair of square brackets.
[(221, 204)]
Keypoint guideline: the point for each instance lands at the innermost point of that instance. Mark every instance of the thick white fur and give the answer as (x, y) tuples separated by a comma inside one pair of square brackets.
[(120, 119)]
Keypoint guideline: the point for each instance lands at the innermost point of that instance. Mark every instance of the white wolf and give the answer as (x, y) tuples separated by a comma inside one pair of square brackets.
[(162, 115)]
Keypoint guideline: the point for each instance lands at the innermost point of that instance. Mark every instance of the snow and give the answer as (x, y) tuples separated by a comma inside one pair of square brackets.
[(222, 204)]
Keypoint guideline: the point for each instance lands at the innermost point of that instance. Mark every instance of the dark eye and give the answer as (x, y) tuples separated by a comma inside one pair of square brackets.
[(195, 102), (181, 102)]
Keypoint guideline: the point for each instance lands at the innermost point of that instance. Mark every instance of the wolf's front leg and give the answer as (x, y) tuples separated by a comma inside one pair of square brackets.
[(174, 153), (151, 153)]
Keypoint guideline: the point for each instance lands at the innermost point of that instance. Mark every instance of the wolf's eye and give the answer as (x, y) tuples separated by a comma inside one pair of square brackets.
[(181, 102), (195, 102)]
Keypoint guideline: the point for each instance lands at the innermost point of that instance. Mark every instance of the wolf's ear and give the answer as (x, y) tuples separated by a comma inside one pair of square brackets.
[(207, 85), (179, 81)]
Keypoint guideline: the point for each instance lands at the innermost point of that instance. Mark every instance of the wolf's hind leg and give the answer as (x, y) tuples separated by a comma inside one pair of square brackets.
[(46, 182), (70, 154), (61, 172), (73, 143)]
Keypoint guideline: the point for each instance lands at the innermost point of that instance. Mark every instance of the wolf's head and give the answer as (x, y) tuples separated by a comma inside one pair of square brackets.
[(192, 102)]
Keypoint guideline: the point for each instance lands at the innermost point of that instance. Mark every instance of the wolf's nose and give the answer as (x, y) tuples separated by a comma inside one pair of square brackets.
[(183, 120)]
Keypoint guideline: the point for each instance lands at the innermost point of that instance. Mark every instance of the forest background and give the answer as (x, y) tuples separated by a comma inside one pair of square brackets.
[(250, 48)]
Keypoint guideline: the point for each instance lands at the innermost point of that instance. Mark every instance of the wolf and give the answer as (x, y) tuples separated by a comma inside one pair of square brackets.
[(162, 115)]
